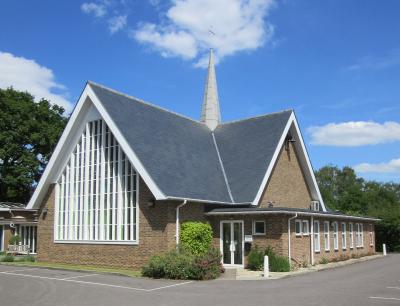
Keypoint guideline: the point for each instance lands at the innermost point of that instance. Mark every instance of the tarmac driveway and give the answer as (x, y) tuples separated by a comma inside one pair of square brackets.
[(375, 282)]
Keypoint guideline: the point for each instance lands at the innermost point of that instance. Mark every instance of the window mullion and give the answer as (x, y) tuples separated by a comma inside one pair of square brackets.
[(81, 194), (102, 179), (119, 196)]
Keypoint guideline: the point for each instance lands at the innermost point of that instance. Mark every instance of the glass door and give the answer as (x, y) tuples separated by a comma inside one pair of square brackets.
[(232, 242), (1, 238)]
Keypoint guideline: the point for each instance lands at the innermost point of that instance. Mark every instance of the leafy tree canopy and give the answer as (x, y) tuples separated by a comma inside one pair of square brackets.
[(342, 190), (29, 132)]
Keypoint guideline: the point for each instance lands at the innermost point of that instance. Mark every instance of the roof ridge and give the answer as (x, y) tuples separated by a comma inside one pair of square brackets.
[(144, 102), (258, 116), (223, 168)]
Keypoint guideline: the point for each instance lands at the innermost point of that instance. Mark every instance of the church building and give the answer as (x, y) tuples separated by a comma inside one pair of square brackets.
[(125, 174)]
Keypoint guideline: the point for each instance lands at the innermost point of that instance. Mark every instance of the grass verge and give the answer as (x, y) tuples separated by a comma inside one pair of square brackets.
[(48, 265)]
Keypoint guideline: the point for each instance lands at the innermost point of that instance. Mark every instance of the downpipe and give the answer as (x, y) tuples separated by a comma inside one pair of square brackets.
[(289, 244), (178, 227)]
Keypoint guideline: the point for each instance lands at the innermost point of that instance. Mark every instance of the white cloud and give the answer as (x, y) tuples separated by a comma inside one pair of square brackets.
[(392, 166), (117, 23), (238, 25), (98, 10), (377, 63), (27, 75), (355, 133)]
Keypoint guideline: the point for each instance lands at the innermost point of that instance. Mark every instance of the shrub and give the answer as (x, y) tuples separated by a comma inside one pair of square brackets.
[(8, 258), (15, 239), (344, 257), (2, 253), (182, 264), (28, 258), (279, 264), (196, 237), (324, 261), (396, 248), (255, 260)]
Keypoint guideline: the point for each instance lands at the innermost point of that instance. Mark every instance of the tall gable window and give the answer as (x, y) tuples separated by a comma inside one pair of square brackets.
[(97, 191)]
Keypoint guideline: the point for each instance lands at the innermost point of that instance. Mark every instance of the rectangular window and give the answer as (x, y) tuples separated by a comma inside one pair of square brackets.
[(362, 235), (351, 235), (97, 191), (259, 228), (371, 235), (298, 227), (28, 235), (344, 236), (317, 239), (326, 236), (305, 228), (335, 235)]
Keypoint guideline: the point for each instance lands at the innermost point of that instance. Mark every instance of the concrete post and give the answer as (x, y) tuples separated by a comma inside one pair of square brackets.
[(384, 249), (266, 267)]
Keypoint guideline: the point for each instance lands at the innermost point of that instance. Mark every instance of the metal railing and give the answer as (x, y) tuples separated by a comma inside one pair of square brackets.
[(18, 249)]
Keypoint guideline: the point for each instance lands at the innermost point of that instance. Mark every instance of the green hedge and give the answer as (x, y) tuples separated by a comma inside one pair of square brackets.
[(196, 237), (277, 263), (183, 264)]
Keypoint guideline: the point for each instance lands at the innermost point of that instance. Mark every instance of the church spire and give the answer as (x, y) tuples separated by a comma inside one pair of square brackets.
[(210, 113)]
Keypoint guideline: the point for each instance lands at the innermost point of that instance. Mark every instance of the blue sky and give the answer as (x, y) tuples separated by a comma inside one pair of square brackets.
[(337, 63)]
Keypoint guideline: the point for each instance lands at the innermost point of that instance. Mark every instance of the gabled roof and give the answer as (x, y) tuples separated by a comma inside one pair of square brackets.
[(247, 148), (177, 152), (180, 158)]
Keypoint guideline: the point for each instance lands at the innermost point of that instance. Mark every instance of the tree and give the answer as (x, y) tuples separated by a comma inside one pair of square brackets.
[(29, 132), (342, 190)]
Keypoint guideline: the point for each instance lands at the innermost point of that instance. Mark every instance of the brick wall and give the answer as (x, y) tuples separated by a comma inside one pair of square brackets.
[(156, 235), (287, 186)]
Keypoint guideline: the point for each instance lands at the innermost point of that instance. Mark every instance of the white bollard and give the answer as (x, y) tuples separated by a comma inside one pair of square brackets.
[(266, 267), (384, 249)]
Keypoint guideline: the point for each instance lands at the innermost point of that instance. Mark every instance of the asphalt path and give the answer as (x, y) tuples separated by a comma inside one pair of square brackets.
[(375, 282)]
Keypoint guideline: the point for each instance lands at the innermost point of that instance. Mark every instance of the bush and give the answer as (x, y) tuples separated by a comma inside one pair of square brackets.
[(279, 264), (396, 248), (323, 261), (28, 258), (8, 258), (196, 237), (182, 264), (255, 260), (14, 240)]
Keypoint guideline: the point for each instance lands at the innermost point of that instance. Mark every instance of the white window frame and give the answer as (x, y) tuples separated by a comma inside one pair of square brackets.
[(254, 228), (106, 210), (371, 237), (28, 235), (327, 240), (317, 237), (351, 235), (305, 225), (300, 224), (362, 234), (344, 240), (335, 235)]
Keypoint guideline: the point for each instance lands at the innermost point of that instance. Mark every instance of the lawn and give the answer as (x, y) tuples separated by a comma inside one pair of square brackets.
[(125, 272)]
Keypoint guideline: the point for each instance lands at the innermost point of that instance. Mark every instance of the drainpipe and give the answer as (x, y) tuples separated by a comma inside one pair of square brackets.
[(177, 221), (312, 240), (290, 253)]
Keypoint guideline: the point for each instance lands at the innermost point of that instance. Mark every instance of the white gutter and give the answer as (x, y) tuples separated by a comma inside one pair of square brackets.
[(177, 221), (289, 233), (286, 212), (206, 201)]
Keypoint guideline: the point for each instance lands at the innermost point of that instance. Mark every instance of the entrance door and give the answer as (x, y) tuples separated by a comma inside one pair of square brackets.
[(1, 238), (232, 242)]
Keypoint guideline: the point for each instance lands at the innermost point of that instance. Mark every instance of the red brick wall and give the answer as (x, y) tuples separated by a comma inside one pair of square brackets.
[(287, 186), (156, 235)]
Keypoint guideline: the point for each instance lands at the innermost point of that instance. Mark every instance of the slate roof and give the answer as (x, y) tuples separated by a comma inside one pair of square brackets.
[(12, 205), (180, 154)]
